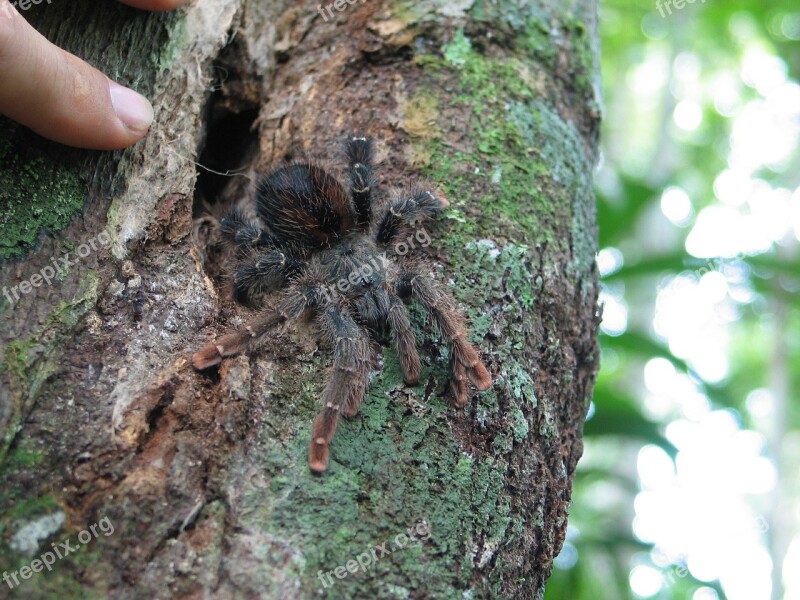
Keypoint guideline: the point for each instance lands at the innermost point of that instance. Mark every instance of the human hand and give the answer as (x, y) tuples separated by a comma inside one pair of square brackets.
[(61, 97)]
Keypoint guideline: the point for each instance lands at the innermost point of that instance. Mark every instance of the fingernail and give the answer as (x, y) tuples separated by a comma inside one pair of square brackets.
[(133, 109)]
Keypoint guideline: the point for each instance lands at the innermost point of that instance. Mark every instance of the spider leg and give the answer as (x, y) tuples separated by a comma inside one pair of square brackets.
[(383, 304), (238, 230), (306, 293), (347, 383), (465, 364), (361, 158), (234, 343), (406, 212), (263, 272), (403, 339)]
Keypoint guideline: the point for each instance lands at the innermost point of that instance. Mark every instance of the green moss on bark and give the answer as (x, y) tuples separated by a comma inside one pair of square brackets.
[(164, 55), (376, 459), (36, 193), (29, 362), (398, 460), (18, 506), (528, 175)]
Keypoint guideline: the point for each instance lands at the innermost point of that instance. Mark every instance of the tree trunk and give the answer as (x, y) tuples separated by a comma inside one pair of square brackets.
[(204, 476)]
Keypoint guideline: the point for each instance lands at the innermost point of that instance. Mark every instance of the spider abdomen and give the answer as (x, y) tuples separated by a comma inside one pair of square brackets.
[(302, 204)]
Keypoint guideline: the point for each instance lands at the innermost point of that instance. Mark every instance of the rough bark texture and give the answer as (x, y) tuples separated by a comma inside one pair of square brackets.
[(204, 476)]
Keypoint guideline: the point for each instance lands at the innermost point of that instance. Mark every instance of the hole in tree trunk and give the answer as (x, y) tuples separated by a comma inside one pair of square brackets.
[(229, 146), (231, 142)]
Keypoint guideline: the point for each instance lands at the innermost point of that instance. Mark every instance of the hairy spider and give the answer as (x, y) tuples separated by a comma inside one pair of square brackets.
[(329, 254)]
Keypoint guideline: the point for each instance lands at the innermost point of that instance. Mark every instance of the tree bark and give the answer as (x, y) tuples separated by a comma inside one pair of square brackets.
[(204, 476)]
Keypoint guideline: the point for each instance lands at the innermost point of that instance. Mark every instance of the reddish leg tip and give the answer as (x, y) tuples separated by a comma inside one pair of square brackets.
[(318, 455), (205, 358), (480, 377), (411, 369), (318, 467), (460, 395)]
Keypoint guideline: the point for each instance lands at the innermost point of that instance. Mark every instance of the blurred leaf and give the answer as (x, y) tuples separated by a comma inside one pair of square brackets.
[(651, 266), (616, 415)]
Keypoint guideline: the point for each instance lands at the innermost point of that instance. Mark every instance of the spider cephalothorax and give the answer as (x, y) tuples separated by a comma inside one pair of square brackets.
[(327, 253)]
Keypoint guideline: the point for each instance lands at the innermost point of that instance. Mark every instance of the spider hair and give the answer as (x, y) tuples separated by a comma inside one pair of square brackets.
[(328, 251)]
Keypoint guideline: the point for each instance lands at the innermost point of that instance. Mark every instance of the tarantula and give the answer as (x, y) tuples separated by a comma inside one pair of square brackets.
[(327, 253)]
